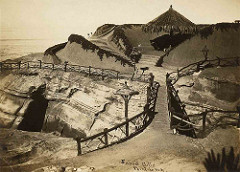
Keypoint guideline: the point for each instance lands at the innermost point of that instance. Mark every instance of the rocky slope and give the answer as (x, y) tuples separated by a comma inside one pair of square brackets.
[(40, 108), (68, 101), (221, 87), (212, 92)]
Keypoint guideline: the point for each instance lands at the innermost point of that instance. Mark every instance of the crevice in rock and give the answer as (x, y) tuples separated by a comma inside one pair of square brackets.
[(98, 113)]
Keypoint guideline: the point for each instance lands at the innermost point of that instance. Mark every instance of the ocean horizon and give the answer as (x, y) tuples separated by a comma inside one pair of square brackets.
[(15, 48)]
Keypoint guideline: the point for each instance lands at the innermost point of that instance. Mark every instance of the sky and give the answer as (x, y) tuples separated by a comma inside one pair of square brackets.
[(57, 19)]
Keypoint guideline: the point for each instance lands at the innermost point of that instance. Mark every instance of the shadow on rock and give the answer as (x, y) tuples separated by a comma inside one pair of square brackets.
[(35, 113)]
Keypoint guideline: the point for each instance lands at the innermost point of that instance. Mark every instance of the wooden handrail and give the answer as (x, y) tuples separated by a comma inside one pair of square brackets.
[(40, 64), (145, 112), (183, 120), (170, 86), (115, 127), (44, 63)]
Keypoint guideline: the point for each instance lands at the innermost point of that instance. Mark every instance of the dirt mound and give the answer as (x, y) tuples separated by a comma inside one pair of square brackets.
[(114, 37), (221, 41), (103, 30), (124, 38), (83, 52), (137, 36)]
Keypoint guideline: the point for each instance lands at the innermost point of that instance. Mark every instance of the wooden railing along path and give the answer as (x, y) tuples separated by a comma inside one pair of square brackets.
[(89, 70), (179, 118), (64, 67), (123, 131)]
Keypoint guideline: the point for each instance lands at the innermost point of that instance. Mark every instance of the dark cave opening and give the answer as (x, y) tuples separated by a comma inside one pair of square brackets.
[(35, 113), (164, 41)]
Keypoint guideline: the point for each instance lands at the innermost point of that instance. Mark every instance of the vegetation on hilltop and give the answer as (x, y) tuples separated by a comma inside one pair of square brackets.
[(119, 38), (54, 49), (118, 35), (87, 45), (130, 26), (207, 31), (103, 29)]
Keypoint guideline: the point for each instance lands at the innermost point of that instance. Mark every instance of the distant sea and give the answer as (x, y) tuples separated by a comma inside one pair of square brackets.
[(14, 48)]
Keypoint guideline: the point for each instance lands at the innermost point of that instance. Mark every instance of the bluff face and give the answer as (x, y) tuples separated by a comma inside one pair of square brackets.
[(218, 87)]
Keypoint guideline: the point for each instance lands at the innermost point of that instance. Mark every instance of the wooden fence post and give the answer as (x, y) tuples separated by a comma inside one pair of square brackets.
[(219, 61), (127, 128), (126, 117), (102, 74), (151, 80), (1, 66), (79, 146), (53, 66), (106, 135), (19, 65), (238, 109), (65, 66), (171, 117), (169, 101), (204, 121), (89, 71), (28, 65), (117, 75), (148, 95), (40, 64)]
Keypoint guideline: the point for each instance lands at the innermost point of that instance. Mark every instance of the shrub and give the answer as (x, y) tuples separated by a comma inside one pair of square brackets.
[(54, 49)]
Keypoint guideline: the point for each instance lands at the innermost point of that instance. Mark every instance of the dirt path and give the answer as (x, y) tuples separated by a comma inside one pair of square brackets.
[(156, 146)]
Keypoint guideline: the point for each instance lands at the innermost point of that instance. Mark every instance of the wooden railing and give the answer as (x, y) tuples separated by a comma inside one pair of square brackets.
[(201, 65), (177, 109), (179, 119), (123, 131), (64, 67), (89, 70)]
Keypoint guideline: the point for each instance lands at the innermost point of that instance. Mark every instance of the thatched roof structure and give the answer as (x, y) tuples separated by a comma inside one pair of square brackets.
[(169, 21)]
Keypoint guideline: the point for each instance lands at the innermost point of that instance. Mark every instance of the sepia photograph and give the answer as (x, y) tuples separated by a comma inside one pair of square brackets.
[(119, 85)]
